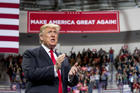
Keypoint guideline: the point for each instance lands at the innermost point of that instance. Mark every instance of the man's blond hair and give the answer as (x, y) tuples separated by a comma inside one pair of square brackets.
[(43, 27)]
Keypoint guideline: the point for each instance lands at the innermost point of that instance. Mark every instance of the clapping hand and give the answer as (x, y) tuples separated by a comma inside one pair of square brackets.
[(59, 61)]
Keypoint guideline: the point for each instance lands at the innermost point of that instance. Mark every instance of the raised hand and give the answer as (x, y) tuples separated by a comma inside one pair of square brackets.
[(74, 69)]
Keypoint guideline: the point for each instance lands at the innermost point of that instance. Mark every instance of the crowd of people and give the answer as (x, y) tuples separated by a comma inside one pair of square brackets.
[(94, 71), (128, 69), (13, 67)]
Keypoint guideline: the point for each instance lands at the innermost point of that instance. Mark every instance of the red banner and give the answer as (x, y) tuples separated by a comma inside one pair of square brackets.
[(76, 22)]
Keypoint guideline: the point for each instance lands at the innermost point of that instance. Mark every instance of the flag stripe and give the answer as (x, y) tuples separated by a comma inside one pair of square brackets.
[(9, 44), (9, 27), (9, 10), (9, 5), (9, 21), (9, 33), (11, 16), (9, 50), (9, 1), (9, 38)]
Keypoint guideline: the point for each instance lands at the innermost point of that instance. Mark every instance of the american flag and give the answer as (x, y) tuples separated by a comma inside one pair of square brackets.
[(9, 26)]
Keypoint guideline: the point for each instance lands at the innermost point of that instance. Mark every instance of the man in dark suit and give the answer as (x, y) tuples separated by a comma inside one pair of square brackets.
[(45, 70)]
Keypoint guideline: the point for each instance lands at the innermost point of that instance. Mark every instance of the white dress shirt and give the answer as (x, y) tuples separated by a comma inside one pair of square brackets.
[(48, 51)]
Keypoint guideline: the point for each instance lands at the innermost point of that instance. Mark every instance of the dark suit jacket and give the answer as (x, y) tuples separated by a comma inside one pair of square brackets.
[(39, 71)]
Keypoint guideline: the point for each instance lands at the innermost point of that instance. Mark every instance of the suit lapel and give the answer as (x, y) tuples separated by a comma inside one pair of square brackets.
[(56, 54), (45, 55)]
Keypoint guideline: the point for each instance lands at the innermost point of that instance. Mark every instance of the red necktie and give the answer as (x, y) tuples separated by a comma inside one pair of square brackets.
[(58, 72)]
